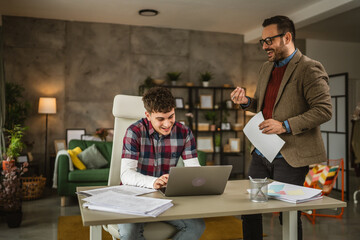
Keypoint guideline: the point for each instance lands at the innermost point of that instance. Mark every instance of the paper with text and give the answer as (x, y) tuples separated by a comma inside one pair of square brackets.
[(268, 144), (293, 193), (127, 204), (124, 189)]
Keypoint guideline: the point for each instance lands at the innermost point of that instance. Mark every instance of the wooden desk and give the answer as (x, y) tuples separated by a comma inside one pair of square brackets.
[(234, 201)]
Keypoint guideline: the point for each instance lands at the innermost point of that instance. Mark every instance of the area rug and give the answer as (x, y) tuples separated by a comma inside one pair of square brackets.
[(226, 228)]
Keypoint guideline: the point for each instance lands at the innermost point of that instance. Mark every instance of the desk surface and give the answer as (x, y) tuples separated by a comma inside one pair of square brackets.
[(234, 201)]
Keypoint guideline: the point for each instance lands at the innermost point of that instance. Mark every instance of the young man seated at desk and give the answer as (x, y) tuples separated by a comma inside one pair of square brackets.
[(151, 146)]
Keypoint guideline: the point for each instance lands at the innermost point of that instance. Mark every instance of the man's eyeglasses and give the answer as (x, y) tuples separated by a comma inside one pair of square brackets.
[(268, 40)]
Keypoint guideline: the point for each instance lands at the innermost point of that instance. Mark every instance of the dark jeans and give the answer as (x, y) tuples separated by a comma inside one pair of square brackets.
[(278, 170)]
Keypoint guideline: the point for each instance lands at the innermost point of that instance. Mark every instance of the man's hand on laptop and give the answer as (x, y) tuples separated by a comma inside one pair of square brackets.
[(161, 181)]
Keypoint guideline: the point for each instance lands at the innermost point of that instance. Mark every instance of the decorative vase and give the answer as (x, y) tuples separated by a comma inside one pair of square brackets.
[(173, 83), (7, 164), (205, 83), (14, 218)]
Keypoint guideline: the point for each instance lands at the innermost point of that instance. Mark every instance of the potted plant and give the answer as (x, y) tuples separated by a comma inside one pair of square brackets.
[(148, 83), (16, 108), (205, 77), (173, 77), (211, 116), (11, 193), (10, 182), (16, 145), (225, 125), (217, 142)]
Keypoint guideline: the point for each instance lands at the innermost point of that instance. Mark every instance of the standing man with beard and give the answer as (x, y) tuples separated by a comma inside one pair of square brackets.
[(293, 94)]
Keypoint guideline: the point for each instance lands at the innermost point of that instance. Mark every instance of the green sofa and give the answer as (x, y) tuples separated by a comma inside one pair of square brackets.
[(67, 180)]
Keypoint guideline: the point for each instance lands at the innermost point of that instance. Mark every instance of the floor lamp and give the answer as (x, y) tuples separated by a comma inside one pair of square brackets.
[(47, 105)]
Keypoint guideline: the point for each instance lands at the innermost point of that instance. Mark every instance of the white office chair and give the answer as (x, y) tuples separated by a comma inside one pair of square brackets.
[(127, 110)]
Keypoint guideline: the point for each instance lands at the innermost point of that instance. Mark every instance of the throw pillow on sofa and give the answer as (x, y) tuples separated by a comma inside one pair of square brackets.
[(74, 158), (92, 158)]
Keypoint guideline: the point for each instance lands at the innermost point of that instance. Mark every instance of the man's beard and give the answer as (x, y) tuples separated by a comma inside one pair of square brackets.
[(278, 54)]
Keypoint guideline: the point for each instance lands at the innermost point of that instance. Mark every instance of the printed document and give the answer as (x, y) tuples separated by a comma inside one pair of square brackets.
[(111, 201), (124, 189), (268, 144), (293, 193)]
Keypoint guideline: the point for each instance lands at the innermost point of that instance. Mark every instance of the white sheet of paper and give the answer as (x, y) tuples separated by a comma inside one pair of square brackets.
[(124, 189), (111, 201), (268, 144)]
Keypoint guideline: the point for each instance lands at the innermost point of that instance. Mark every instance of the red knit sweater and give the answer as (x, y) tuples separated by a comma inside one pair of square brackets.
[(272, 91)]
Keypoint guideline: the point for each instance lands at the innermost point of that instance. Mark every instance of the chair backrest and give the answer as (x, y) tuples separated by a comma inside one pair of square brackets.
[(126, 110), (323, 176)]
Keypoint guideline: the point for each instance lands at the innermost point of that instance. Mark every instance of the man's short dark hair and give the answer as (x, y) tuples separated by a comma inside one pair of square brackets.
[(284, 24), (158, 99)]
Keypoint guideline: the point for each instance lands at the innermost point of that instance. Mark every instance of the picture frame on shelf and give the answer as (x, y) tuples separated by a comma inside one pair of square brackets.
[(234, 144), (74, 133), (179, 102), (206, 102), (59, 145), (205, 144)]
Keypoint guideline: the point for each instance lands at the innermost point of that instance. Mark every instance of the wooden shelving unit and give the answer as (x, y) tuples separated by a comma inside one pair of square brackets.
[(192, 103)]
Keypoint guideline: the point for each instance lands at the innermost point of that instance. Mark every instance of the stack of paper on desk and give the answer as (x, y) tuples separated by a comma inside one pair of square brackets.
[(293, 193), (111, 201), (124, 189)]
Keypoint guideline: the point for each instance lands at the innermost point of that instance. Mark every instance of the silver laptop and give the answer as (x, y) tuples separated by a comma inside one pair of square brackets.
[(192, 181)]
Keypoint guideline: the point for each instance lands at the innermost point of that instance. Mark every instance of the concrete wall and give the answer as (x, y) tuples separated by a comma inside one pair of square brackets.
[(339, 57), (84, 65)]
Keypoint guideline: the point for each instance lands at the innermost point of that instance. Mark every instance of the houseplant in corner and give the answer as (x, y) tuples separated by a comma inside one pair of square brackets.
[(10, 182), (17, 108), (205, 77), (16, 145), (11, 194)]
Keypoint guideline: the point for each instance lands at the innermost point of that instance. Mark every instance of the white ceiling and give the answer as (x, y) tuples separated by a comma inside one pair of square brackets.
[(230, 16)]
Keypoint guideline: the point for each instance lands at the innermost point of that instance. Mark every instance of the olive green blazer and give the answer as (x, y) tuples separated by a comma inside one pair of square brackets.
[(304, 100)]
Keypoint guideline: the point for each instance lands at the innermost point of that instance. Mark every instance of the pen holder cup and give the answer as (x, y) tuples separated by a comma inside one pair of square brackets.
[(259, 190)]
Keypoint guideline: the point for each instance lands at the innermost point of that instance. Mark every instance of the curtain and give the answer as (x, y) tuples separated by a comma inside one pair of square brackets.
[(2, 93)]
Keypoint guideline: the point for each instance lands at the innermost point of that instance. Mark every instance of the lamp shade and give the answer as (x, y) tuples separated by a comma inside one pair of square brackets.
[(47, 105)]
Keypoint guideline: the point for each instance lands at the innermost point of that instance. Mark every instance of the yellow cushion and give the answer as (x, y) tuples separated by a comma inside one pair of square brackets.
[(74, 158)]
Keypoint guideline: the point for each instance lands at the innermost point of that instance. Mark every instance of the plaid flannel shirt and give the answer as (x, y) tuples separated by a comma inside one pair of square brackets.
[(156, 154)]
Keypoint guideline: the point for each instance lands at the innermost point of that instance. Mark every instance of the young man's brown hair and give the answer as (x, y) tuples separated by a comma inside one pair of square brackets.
[(158, 99)]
